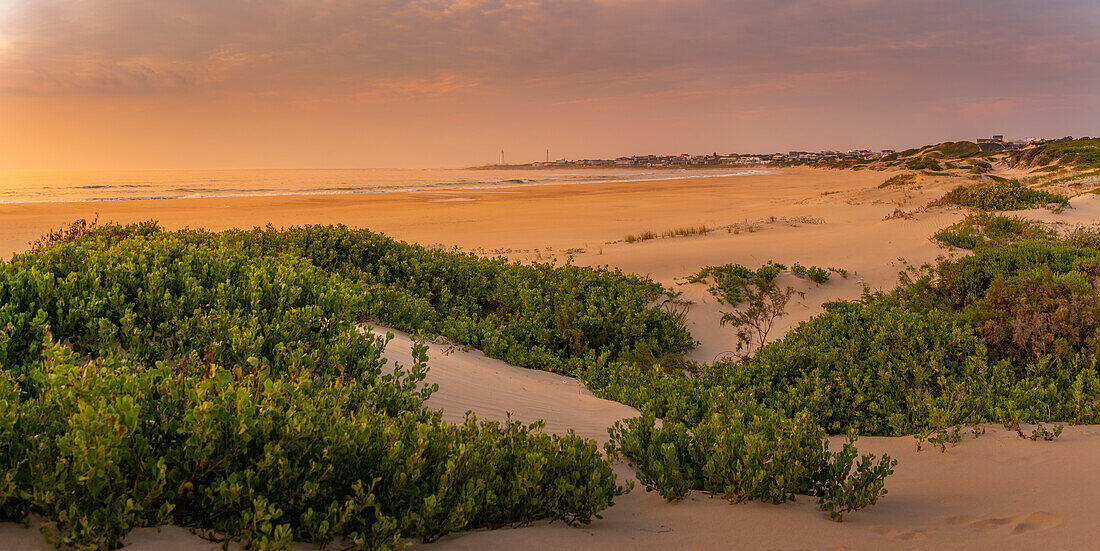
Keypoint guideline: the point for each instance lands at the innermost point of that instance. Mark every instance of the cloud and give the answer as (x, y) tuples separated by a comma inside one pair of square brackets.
[(603, 72), (130, 46)]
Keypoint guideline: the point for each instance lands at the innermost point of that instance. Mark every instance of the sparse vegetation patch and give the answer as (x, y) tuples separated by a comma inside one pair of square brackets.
[(987, 229), (898, 180), (636, 237)]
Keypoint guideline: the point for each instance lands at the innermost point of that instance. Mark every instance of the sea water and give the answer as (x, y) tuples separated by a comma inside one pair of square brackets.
[(129, 185)]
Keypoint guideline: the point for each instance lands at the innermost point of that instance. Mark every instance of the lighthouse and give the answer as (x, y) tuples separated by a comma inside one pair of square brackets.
[(501, 157)]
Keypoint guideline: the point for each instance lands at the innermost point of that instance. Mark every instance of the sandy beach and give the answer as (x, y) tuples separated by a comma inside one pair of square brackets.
[(995, 491), (587, 223)]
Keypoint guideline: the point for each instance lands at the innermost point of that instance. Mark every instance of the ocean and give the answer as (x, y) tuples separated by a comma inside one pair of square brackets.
[(131, 185)]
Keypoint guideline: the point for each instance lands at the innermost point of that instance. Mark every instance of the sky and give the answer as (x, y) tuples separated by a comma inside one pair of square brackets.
[(176, 84)]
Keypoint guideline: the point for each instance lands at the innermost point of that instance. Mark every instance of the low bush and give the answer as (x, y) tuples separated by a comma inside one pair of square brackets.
[(1001, 195), (729, 281), (751, 453), (108, 445), (1083, 154), (985, 229), (221, 382), (955, 150), (1006, 333), (1009, 335), (754, 323), (540, 316), (131, 356), (923, 163), (1083, 237), (812, 273)]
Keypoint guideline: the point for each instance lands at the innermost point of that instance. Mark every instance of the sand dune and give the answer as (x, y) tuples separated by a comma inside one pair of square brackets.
[(494, 390), (993, 492)]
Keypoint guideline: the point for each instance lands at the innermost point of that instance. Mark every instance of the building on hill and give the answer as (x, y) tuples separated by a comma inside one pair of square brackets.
[(996, 143)]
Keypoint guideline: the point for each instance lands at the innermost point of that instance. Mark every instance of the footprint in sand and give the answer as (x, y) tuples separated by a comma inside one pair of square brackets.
[(912, 535), (830, 548), (1015, 524)]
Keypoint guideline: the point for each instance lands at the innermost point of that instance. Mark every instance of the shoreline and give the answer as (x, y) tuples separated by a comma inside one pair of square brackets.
[(418, 215), (587, 224), (366, 189)]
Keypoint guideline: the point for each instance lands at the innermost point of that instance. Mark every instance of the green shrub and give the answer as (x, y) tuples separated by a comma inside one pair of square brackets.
[(729, 281), (955, 150), (1000, 195), (750, 453), (923, 163), (110, 446), (1083, 237), (985, 229), (1083, 154), (538, 316), (159, 297), (871, 369), (221, 382), (1003, 334), (812, 273)]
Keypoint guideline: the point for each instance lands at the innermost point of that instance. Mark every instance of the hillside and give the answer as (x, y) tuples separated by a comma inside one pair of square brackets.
[(1080, 154), (1067, 166)]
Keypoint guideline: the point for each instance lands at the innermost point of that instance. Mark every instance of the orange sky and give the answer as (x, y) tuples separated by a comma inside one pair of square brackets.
[(416, 83)]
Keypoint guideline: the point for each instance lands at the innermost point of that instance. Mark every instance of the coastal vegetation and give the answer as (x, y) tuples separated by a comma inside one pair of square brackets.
[(685, 231), (1073, 179), (751, 453), (682, 231), (643, 236), (222, 382), (747, 226), (814, 273), (980, 166), (1007, 335), (899, 180), (923, 163), (1001, 194), (952, 150), (984, 229), (1080, 154), (729, 282)]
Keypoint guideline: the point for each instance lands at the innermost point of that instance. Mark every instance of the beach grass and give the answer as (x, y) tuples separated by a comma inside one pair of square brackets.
[(643, 236)]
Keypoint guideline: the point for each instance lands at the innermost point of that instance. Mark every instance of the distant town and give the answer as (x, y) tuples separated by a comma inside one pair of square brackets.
[(748, 160)]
